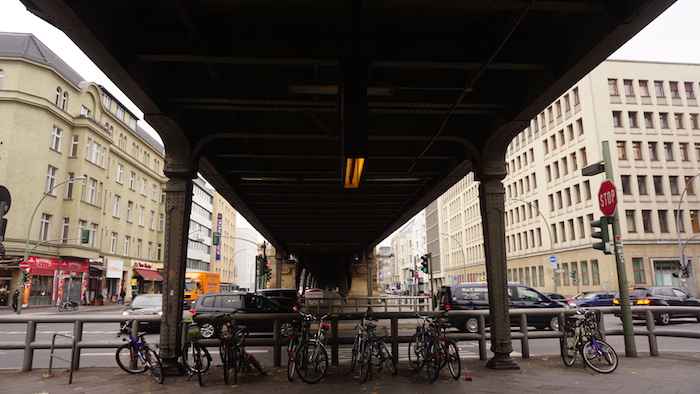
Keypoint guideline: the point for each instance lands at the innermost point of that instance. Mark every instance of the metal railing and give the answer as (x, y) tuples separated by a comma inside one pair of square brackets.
[(403, 320)]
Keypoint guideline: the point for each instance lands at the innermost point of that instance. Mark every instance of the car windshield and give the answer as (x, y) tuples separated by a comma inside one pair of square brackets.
[(147, 301), (589, 296)]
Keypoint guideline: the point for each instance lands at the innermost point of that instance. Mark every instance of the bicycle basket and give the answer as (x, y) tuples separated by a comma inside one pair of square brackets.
[(193, 330), (380, 332)]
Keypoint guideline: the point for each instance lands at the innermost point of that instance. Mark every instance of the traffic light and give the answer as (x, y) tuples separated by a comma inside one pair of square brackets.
[(25, 274), (268, 273), (424, 263), (216, 238), (85, 237), (600, 231)]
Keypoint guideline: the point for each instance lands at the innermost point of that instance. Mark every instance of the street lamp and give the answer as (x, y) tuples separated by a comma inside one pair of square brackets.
[(464, 254), (681, 248), (29, 228), (552, 258)]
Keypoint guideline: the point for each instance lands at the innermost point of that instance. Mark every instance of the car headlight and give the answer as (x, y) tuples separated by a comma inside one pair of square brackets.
[(572, 305), (125, 313), (160, 313)]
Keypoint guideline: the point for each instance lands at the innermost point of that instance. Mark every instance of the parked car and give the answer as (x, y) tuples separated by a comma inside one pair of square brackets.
[(660, 296), (577, 296), (555, 296), (594, 298), (474, 296), (237, 302), (146, 304), (287, 297)]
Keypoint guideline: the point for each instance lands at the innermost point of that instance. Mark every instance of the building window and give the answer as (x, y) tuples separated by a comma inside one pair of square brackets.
[(642, 184), (631, 224), (117, 200), (689, 186), (120, 113), (673, 183), (51, 174), (663, 220), (142, 213), (658, 185), (637, 150), (617, 118), (673, 87), (638, 268), (144, 186), (680, 225), (66, 230), (120, 173), (659, 89), (56, 134), (629, 90), (632, 118), (694, 121), (663, 120), (113, 243), (685, 156), (74, 146), (91, 189), (646, 221), (129, 208), (678, 118), (154, 192), (152, 220), (689, 90), (132, 180), (612, 87), (653, 154), (127, 241), (161, 222), (584, 273), (694, 224), (668, 150), (595, 273), (644, 88), (648, 120), (626, 187), (45, 227), (622, 150), (69, 186)]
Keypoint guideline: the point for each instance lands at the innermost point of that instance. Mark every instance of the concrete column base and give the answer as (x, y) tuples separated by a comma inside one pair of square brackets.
[(502, 361), (172, 367)]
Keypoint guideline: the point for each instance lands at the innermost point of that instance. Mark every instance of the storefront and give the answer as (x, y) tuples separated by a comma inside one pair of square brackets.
[(54, 280), (145, 278)]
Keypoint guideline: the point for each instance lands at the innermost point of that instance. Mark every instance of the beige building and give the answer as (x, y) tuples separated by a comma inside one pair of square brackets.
[(73, 158), (648, 114), (223, 255)]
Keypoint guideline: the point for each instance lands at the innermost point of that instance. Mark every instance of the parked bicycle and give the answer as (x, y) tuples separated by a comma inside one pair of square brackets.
[(298, 332), (430, 346), (68, 305), (369, 349), (136, 356), (581, 335), (234, 357), (311, 358), (195, 356)]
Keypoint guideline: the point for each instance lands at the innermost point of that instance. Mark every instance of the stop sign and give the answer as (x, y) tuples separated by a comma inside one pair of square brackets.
[(607, 198)]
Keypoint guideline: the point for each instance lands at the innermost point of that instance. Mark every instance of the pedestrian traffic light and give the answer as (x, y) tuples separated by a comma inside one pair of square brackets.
[(600, 231), (424, 263), (85, 237), (216, 238)]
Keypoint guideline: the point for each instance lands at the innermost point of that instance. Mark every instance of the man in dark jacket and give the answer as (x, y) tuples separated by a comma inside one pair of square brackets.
[(15, 300)]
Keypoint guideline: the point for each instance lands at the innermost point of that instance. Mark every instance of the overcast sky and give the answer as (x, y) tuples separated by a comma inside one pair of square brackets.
[(672, 37)]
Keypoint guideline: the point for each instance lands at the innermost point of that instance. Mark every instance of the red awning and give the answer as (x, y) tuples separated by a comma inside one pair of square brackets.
[(148, 274)]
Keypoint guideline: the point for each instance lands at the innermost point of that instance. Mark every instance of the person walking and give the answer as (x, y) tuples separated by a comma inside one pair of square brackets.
[(15, 300), (122, 295)]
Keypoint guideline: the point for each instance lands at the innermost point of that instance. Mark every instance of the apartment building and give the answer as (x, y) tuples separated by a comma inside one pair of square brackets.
[(73, 158), (200, 229), (648, 114), (223, 255)]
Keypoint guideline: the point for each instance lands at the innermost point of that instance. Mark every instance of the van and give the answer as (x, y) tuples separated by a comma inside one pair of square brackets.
[(474, 296)]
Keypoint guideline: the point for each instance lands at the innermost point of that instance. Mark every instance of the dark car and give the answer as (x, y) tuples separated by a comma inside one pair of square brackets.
[(237, 302), (146, 304), (474, 296), (555, 296), (594, 298), (660, 296), (287, 297)]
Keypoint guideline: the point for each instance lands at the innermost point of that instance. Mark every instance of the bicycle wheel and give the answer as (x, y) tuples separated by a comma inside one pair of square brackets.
[(128, 359), (155, 365), (442, 352), (600, 356), (225, 360), (568, 347), (386, 357), (251, 360), (312, 361), (453, 361), (74, 306), (432, 361), (291, 364), (192, 351), (355, 349), (61, 307), (365, 361), (416, 352)]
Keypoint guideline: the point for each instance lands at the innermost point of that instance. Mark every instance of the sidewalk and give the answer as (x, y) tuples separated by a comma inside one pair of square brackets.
[(673, 373)]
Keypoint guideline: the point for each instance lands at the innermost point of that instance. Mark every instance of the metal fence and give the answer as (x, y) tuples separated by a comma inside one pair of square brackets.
[(338, 320)]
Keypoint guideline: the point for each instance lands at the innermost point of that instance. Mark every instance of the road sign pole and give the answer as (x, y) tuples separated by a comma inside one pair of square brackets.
[(626, 311)]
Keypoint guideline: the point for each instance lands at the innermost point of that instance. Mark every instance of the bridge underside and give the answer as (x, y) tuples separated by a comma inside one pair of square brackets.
[(269, 98)]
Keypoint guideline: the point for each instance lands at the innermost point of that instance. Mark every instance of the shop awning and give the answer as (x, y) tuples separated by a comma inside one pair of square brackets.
[(148, 275)]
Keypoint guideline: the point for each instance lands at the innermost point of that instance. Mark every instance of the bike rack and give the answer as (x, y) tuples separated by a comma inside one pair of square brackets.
[(72, 353)]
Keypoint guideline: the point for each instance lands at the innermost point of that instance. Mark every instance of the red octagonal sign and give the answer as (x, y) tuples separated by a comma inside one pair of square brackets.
[(607, 198)]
